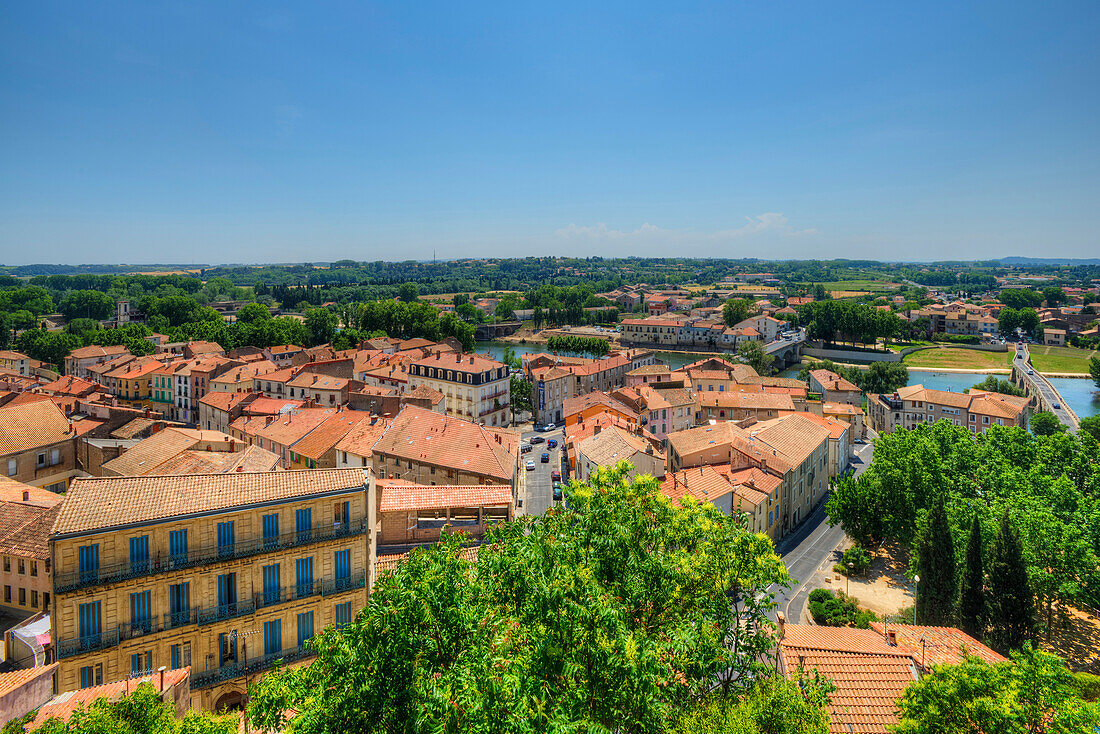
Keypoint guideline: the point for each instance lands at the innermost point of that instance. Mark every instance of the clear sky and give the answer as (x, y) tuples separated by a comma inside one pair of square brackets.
[(260, 132)]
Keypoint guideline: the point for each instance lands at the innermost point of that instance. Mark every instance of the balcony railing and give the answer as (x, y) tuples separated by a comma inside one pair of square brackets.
[(64, 582), (208, 678), (350, 583), (90, 643), (226, 611)]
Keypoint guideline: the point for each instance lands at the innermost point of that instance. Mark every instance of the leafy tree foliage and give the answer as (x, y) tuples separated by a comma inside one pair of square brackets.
[(140, 712), (837, 610), (1091, 426), (592, 345), (1094, 370), (1004, 387), (88, 305), (611, 615), (1032, 694), (321, 326), (935, 563), (752, 353), (1045, 423), (1021, 298), (736, 310), (970, 611), (521, 393), (849, 321), (773, 706), (1011, 602), (879, 377)]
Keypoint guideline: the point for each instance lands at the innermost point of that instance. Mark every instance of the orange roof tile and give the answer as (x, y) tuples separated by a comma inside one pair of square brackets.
[(397, 496), (31, 426), (431, 438)]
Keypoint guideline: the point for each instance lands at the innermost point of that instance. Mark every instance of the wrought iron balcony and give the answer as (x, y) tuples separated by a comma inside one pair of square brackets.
[(89, 643), (226, 611), (213, 677), (338, 586), (203, 555)]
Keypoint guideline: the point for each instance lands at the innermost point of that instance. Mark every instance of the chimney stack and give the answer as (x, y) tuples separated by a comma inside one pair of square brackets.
[(160, 679), (782, 620)]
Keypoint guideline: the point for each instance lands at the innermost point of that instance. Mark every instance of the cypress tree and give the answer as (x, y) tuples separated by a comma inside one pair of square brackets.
[(971, 609), (1011, 604), (937, 568)]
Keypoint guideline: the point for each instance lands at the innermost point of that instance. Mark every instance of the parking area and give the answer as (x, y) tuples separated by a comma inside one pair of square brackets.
[(537, 485)]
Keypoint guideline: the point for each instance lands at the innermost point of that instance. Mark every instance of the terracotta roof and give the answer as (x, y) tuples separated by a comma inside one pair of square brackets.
[(286, 428), (24, 528), (316, 381), (251, 459), (223, 400), (245, 372), (285, 349), (600, 365), (361, 438), (16, 679), (69, 385), (31, 426), (64, 705), (132, 428), (423, 392), (324, 437), (428, 437), (99, 504), (744, 400), (580, 403), (461, 362), (703, 483), (97, 351), (271, 406), (612, 445), (832, 381), (550, 372), (149, 453), (841, 408), (794, 436), (650, 369), (12, 491), (835, 427), (397, 496), (937, 645), (284, 375)]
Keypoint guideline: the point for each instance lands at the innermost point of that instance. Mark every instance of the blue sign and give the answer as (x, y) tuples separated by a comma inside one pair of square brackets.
[(542, 395)]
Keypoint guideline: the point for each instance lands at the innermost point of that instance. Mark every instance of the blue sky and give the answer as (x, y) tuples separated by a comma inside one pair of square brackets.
[(261, 132)]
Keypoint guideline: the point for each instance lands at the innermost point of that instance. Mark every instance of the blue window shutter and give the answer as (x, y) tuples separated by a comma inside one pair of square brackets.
[(343, 565)]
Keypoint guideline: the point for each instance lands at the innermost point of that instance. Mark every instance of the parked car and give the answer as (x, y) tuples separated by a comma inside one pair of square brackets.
[(537, 439), (555, 475), (557, 492), (552, 443), (546, 458), (548, 427), (530, 466)]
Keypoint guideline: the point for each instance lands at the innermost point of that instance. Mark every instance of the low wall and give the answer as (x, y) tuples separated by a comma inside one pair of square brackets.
[(847, 355)]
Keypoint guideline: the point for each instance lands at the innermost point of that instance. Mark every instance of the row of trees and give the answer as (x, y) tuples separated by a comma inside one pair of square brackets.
[(1042, 490), (849, 321), (1009, 319), (573, 344), (878, 377)]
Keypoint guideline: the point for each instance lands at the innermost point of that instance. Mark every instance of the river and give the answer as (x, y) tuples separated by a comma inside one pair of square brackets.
[(1080, 394)]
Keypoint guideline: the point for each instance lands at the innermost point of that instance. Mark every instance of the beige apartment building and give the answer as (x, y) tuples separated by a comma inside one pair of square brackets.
[(37, 445), (27, 515), (476, 387), (224, 573), (913, 405)]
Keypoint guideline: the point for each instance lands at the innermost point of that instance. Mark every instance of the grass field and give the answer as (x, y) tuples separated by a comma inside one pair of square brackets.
[(875, 286), (1061, 359), (960, 359)]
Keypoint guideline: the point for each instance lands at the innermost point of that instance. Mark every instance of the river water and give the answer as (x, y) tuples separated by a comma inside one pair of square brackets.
[(1080, 394)]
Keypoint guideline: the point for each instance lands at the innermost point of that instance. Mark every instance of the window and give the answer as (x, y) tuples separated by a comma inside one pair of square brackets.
[(7, 564), (13, 467), (227, 592), (343, 615), (141, 663), (177, 546), (343, 568), (89, 623), (41, 460), (140, 614), (179, 603), (55, 457), (34, 568), (91, 675), (305, 627), (226, 538), (271, 583), (342, 512), (89, 562), (22, 567), (7, 595), (180, 655), (273, 636), (139, 554), (22, 597), (304, 524), (303, 568), (271, 530)]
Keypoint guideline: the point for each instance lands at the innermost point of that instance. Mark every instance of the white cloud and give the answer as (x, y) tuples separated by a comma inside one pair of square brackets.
[(770, 223)]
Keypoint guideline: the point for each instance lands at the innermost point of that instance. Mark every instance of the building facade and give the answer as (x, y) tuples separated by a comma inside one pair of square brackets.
[(476, 388)]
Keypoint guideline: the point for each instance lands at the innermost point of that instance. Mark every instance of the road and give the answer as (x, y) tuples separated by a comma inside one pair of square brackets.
[(536, 486), (812, 546), (1022, 361)]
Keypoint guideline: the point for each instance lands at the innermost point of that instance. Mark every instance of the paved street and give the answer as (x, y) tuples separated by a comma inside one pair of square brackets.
[(812, 547), (537, 489)]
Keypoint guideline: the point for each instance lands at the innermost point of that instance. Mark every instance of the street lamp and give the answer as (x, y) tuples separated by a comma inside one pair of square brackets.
[(848, 577), (916, 580)]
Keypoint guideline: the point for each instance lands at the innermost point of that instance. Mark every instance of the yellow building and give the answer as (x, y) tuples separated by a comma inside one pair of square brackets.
[(223, 573)]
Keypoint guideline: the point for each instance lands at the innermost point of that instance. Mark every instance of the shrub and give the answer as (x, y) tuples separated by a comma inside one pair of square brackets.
[(838, 610), (858, 559)]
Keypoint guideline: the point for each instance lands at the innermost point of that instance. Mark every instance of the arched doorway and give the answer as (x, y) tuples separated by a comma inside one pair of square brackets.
[(230, 701)]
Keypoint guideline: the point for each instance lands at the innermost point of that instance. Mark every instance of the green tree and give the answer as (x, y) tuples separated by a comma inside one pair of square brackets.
[(736, 310), (1008, 320), (883, 377), (520, 394), (1004, 387), (1045, 423), (1029, 320), (1094, 370), (1054, 296), (408, 292), (321, 326), (88, 305), (142, 711), (773, 706), (1091, 426), (615, 613), (752, 353), (5, 330), (82, 327), (935, 563), (252, 313), (1032, 694), (971, 608), (460, 299), (1011, 604), (1021, 297)]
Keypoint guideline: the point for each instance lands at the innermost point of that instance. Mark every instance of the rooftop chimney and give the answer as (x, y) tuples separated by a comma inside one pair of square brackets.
[(782, 620), (892, 638), (26, 495), (160, 679)]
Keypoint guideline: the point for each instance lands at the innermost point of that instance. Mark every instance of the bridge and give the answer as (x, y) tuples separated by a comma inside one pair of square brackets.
[(1040, 390), (485, 332), (787, 350)]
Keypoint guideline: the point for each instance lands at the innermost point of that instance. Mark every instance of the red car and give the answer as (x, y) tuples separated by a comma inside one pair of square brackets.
[(555, 476)]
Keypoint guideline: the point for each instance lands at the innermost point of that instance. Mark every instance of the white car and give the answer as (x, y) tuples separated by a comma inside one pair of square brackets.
[(530, 466)]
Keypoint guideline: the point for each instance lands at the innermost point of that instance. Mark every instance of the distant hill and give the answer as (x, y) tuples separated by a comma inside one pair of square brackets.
[(1050, 260)]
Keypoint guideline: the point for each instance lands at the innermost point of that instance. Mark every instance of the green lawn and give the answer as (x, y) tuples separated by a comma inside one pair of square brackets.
[(962, 359), (1061, 359), (857, 285)]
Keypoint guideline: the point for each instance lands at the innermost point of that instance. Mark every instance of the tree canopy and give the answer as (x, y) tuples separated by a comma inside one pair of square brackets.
[(611, 615)]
